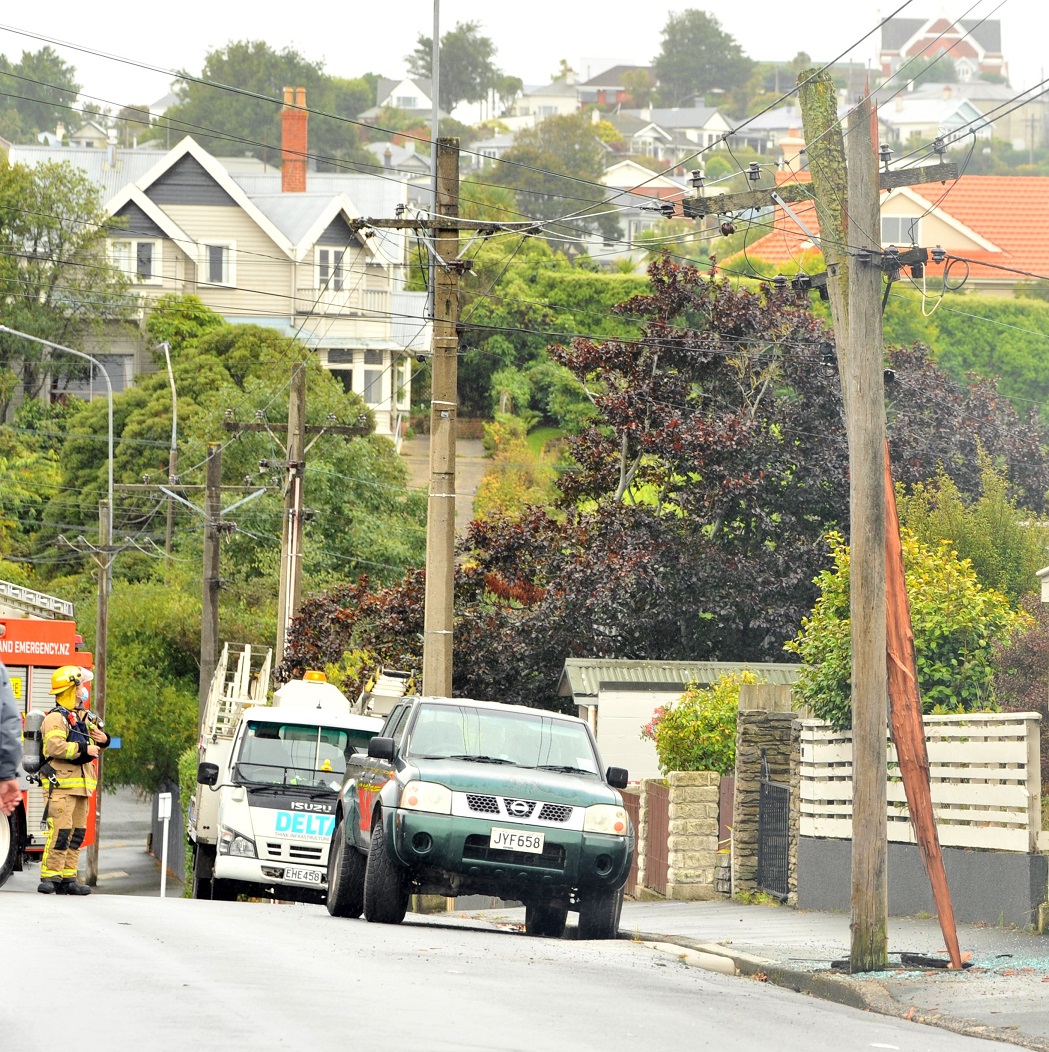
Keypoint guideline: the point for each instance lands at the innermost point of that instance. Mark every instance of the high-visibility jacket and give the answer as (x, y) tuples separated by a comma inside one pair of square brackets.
[(65, 748)]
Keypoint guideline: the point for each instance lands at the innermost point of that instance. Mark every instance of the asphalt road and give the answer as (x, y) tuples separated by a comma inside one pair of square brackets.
[(175, 973)]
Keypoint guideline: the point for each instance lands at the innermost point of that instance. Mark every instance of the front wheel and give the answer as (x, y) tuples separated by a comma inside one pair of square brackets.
[(599, 914), (346, 869), (385, 886), (203, 870), (545, 919)]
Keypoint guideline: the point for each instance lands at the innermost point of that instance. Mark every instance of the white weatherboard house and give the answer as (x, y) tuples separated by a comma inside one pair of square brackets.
[(272, 247)]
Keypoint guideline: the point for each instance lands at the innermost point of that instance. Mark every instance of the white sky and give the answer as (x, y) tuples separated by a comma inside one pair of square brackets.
[(531, 38)]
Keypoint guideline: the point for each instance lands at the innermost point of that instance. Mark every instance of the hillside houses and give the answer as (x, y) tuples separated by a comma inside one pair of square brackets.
[(265, 246)]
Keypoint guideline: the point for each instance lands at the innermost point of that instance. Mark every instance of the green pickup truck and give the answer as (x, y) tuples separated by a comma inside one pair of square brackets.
[(460, 797)]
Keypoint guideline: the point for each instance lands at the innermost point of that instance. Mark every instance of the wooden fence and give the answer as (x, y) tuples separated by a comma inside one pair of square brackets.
[(985, 776)]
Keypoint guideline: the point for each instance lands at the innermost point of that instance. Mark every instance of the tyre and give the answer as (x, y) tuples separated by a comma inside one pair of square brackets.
[(345, 876), (545, 919), (203, 870), (385, 883), (10, 843), (599, 914)]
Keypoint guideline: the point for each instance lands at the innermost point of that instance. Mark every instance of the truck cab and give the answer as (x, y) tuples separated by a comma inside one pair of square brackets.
[(267, 785)]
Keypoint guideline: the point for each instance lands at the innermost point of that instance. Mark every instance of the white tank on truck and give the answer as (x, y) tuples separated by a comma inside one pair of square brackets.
[(268, 778)]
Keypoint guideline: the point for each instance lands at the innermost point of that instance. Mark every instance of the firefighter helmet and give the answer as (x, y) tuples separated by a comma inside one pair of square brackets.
[(65, 677)]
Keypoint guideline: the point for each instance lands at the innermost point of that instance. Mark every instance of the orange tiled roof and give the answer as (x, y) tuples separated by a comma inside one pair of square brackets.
[(1010, 211)]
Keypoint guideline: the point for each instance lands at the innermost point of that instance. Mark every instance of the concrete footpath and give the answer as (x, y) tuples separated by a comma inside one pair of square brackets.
[(1003, 995)]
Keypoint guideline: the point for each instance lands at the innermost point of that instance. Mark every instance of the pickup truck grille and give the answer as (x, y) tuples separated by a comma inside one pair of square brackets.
[(520, 809), (478, 848), (292, 852)]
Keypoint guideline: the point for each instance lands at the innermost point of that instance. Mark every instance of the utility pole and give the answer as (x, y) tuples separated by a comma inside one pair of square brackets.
[(440, 516), (847, 201), (99, 692), (865, 408), (291, 537), (209, 618)]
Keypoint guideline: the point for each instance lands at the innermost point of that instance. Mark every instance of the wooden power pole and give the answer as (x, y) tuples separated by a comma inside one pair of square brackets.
[(98, 692), (440, 516), (209, 620), (291, 540)]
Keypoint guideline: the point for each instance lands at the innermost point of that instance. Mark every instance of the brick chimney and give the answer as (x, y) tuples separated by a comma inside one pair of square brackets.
[(293, 141)]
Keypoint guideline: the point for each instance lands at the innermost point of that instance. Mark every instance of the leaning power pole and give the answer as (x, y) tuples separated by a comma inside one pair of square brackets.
[(440, 512)]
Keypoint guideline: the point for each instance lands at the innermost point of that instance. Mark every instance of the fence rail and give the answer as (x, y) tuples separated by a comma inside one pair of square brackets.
[(984, 772)]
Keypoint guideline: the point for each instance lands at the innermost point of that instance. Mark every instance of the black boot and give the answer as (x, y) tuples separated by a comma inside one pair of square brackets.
[(47, 887), (71, 887)]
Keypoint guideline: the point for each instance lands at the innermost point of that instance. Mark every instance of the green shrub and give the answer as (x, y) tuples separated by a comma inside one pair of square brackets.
[(699, 732)]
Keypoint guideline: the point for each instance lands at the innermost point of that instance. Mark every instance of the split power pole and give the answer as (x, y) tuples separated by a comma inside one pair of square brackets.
[(847, 203), (440, 512)]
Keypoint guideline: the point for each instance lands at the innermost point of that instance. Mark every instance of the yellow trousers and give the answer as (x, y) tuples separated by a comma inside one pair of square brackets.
[(66, 829)]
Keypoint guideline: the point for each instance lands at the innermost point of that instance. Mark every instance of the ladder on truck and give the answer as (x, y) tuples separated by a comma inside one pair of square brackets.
[(384, 688), (242, 678)]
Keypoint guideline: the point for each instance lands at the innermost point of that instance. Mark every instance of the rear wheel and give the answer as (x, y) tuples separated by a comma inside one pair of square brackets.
[(599, 914), (10, 843), (546, 919), (346, 868), (385, 883)]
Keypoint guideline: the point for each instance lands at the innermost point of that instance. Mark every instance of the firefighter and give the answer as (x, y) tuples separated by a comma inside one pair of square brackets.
[(70, 746)]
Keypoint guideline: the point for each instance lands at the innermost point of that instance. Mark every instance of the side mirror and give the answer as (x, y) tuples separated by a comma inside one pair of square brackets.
[(381, 748), (208, 774), (617, 777)]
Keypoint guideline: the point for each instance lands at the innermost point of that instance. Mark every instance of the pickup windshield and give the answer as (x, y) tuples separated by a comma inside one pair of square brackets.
[(296, 754), (485, 735)]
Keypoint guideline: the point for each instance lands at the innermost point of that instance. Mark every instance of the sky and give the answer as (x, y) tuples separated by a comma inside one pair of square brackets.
[(531, 38)]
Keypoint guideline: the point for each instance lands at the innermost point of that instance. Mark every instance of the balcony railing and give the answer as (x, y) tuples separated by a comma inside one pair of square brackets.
[(353, 301)]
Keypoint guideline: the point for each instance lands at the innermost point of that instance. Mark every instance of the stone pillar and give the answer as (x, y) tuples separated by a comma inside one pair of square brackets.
[(693, 834), (777, 736)]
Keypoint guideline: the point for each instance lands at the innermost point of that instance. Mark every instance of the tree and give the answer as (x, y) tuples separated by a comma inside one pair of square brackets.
[(468, 72), (55, 278), (697, 57), (639, 86), (698, 732), (36, 93), (555, 168), (956, 624), (234, 106)]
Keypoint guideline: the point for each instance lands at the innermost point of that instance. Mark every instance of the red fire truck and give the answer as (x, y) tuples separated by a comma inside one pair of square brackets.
[(37, 635)]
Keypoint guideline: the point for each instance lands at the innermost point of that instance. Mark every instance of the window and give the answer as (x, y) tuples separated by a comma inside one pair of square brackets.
[(340, 356), (329, 268), (406, 102), (372, 357), (372, 393), (138, 259), (899, 230), (219, 268)]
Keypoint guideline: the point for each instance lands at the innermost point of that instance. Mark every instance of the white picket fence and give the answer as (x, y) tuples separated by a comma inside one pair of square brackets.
[(984, 771)]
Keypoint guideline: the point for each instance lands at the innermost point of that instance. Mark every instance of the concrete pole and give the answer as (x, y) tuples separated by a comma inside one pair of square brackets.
[(209, 620)]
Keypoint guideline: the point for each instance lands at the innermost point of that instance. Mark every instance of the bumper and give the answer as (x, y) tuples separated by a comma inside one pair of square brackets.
[(458, 848), (260, 871)]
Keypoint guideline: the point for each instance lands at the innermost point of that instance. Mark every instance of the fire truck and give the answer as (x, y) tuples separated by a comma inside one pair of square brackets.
[(37, 635)]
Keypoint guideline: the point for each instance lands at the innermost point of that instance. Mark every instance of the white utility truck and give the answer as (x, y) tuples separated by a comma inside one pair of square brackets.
[(268, 780)]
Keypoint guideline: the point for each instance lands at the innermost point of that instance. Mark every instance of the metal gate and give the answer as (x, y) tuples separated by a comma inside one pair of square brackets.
[(657, 848), (773, 835)]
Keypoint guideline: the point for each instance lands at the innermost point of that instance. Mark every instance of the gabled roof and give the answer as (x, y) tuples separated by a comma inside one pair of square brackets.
[(680, 116), (945, 113), (109, 176), (613, 78), (1006, 215), (188, 147), (135, 197)]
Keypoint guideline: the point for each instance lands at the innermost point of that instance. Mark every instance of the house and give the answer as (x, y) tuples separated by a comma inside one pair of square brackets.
[(619, 697), (974, 45), (557, 99), (485, 151), (991, 221), (271, 247), (908, 119), (694, 126), (607, 90), (413, 95)]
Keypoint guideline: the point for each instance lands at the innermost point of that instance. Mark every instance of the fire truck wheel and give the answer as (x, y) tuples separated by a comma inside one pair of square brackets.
[(10, 843)]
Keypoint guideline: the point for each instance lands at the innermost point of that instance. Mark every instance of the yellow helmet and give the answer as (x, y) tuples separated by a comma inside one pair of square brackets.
[(66, 679)]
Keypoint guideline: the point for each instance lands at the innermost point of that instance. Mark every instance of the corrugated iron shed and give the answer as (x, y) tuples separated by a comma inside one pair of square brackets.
[(583, 678)]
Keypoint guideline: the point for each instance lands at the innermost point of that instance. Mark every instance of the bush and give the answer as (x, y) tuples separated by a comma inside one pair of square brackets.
[(699, 732), (956, 624)]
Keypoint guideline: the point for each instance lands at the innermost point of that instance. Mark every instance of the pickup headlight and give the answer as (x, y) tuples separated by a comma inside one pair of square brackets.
[(606, 818), (427, 796), (236, 844)]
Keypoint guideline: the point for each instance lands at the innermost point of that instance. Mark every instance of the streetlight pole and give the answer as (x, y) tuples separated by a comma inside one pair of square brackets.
[(109, 396)]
